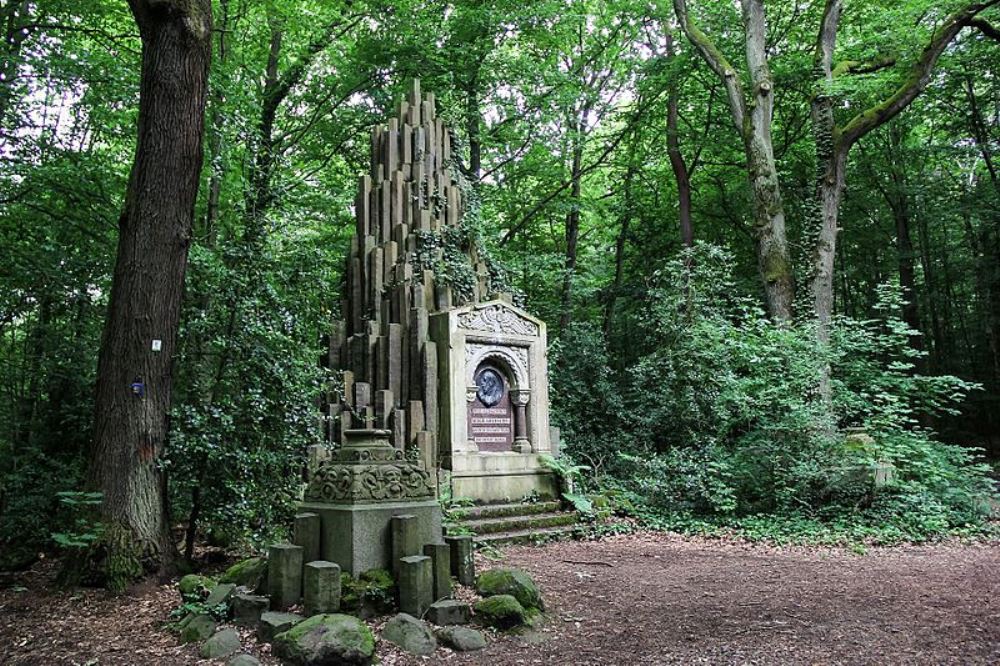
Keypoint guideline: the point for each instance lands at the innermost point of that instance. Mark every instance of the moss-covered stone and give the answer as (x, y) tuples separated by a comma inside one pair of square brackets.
[(502, 611), (513, 582), (372, 594), (327, 639), (197, 629), (222, 644), (194, 585), (410, 634), (250, 573)]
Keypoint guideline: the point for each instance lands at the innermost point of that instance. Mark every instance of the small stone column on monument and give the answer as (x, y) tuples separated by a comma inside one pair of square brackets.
[(405, 534), (440, 554), (284, 575), (463, 565), (416, 584), (305, 533), (321, 587)]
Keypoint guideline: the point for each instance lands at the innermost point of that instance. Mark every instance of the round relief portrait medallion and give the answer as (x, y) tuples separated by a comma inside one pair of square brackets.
[(490, 387)]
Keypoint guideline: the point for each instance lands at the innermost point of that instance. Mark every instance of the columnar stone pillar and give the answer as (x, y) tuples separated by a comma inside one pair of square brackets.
[(520, 401), (284, 575)]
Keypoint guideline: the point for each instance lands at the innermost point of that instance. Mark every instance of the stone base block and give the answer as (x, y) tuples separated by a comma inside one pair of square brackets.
[(357, 536), (500, 477)]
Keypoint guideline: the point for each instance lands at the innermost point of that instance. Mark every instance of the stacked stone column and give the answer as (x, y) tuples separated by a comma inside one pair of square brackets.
[(381, 344)]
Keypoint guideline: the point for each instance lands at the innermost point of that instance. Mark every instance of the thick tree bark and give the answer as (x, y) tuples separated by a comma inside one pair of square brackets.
[(752, 119), (135, 365), (898, 198), (833, 143)]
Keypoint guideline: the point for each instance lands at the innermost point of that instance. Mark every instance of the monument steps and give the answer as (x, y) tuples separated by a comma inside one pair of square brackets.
[(510, 523), (526, 536), (481, 511), (519, 522)]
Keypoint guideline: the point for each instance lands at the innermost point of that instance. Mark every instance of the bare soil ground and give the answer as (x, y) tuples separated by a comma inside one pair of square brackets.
[(639, 599)]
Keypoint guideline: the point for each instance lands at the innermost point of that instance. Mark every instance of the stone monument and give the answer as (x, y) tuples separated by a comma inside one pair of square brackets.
[(451, 371)]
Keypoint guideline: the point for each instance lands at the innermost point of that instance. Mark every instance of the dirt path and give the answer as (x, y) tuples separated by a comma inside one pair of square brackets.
[(647, 599)]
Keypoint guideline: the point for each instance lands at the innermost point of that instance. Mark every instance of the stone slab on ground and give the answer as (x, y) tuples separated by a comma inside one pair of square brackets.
[(220, 594), (247, 608), (449, 611), (461, 639), (273, 623), (243, 660), (221, 644), (197, 629), (410, 634)]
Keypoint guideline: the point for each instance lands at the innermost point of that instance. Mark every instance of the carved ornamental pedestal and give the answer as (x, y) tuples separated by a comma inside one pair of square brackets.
[(357, 493)]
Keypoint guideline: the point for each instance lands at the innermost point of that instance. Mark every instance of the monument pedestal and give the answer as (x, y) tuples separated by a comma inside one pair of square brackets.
[(357, 536), (357, 493)]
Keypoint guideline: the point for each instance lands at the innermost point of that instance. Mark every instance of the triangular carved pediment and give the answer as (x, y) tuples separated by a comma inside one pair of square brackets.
[(498, 317)]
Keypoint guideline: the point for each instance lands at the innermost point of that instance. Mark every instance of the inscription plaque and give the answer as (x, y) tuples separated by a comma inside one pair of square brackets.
[(491, 417)]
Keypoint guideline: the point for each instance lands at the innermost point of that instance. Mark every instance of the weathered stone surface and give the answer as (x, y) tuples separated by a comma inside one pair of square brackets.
[(284, 575), (514, 582), (440, 554), (222, 644), (461, 639), (321, 587), (325, 640), (198, 628), (463, 564), (273, 623), (250, 573), (449, 611), (305, 533), (247, 608), (243, 660), (416, 583), (502, 611), (195, 585), (411, 634), (220, 594), (404, 530)]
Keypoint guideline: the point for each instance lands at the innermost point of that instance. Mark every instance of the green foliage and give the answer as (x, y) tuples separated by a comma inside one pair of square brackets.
[(85, 529), (724, 426)]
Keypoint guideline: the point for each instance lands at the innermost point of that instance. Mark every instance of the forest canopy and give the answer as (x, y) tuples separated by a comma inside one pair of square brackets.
[(765, 236)]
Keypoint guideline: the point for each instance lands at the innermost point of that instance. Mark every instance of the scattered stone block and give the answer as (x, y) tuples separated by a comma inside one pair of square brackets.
[(411, 634), (440, 554), (448, 612), (250, 573), (273, 623), (327, 639), (416, 583), (195, 585), (461, 639), (502, 611), (463, 564), (220, 594), (247, 609), (284, 575), (305, 533), (514, 582), (198, 629), (321, 587), (243, 660), (222, 644)]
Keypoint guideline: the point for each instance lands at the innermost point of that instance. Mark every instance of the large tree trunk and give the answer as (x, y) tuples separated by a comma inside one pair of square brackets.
[(752, 119), (677, 163), (628, 208), (135, 366)]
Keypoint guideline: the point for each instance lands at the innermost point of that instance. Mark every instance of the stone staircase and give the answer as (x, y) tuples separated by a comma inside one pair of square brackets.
[(517, 522)]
